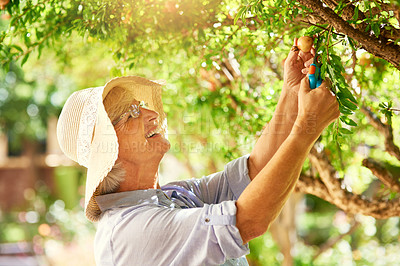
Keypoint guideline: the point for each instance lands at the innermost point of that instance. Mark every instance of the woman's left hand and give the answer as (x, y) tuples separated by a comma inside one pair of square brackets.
[(296, 67)]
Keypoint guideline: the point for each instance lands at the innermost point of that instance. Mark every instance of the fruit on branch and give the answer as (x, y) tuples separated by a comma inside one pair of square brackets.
[(3, 4), (305, 43)]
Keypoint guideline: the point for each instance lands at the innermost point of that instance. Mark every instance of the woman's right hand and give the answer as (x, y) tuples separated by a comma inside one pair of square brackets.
[(317, 108)]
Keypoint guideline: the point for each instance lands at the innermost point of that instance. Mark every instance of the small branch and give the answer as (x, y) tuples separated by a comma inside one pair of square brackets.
[(345, 200), (348, 12), (382, 173), (34, 45), (388, 51), (334, 240), (327, 44), (335, 43), (353, 66), (386, 130), (227, 40), (324, 29), (314, 186), (327, 172)]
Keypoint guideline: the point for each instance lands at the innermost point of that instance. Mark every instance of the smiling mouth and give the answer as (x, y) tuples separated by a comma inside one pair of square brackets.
[(152, 133)]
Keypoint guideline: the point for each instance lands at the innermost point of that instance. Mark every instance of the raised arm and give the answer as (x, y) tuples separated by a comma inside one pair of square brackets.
[(278, 129), (264, 197)]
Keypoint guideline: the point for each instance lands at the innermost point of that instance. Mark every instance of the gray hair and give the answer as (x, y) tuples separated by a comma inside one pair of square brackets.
[(110, 183)]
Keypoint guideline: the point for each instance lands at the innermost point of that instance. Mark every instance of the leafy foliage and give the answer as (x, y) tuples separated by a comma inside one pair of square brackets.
[(223, 63)]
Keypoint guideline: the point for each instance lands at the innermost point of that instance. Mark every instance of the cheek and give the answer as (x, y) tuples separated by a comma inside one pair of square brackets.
[(130, 138), (135, 128)]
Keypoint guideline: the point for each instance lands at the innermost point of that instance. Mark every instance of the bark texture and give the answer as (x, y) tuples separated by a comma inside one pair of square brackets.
[(381, 46)]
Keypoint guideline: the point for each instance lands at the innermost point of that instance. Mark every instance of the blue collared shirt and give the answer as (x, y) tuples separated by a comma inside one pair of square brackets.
[(188, 222)]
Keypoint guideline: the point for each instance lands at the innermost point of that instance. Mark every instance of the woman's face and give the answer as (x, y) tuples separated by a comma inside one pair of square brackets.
[(138, 138)]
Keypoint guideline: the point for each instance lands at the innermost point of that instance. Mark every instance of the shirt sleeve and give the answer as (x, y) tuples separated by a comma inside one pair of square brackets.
[(217, 187), (156, 235)]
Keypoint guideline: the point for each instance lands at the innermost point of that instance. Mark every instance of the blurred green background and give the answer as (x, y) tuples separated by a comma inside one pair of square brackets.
[(223, 63)]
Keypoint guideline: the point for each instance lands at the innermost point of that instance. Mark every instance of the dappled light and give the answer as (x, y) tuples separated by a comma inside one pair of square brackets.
[(223, 63)]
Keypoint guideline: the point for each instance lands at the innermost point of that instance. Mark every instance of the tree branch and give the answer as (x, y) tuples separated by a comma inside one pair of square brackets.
[(348, 12), (382, 173), (386, 130), (388, 51), (345, 200), (310, 185), (332, 241)]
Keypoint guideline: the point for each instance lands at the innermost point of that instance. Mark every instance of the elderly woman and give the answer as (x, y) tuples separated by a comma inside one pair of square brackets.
[(205, 221)]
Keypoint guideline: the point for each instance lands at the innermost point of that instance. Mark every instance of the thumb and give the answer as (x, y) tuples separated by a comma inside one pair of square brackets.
[(294, 52), (305, 85)]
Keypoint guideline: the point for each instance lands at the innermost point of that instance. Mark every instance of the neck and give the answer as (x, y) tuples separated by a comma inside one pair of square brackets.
[(139, 176)]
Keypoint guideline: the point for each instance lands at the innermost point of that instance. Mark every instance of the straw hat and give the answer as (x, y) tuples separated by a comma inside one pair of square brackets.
[(86, 135)]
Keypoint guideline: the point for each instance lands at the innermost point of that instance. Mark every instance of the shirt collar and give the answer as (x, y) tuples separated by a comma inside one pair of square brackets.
[(130, 198)]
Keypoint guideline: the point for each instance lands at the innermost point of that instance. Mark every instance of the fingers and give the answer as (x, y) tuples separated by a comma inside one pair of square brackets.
[(297, 60), (330, 96), (294, 52), (309, 62), (305, 85), (327, 84), (307, 65), (306, 56), (329, 99)]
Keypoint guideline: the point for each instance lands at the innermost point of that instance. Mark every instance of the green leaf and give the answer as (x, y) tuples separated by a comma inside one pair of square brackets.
[(388, 115), (240, 14), (348, 121), (18, 48), (25, 59), (347, 93), (323, 70), (346, 102), (345, 131), (331, 72), (351, 122), (355, 16), (344, 110), (376, 29), (383, 105), (351, 42), (40, 47)]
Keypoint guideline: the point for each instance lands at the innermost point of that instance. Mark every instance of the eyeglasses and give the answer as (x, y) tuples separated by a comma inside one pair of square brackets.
[(134, 111)]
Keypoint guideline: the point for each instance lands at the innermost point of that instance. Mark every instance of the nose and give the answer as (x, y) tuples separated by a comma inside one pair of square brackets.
[(149, 115)]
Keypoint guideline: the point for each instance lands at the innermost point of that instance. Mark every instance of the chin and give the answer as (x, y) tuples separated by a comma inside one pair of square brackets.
[(161, 146), (166, 146)]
